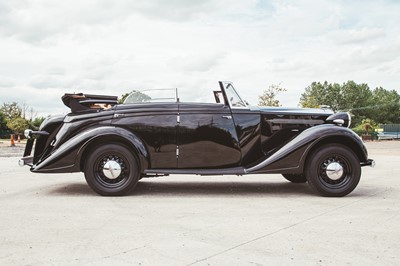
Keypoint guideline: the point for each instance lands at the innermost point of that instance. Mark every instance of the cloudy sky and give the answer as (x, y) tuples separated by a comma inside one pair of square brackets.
[(51, 47)]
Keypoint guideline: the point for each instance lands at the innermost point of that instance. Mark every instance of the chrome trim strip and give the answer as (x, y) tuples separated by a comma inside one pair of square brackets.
[(296, 121)]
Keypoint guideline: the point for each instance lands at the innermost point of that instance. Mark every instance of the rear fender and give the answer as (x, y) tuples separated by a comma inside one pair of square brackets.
[(68, 157)]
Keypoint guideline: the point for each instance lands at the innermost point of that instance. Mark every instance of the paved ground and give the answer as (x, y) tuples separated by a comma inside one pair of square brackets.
[(6, 150), (185, 220)]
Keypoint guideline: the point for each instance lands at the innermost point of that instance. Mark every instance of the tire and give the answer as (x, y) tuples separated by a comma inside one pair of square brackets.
[(121, 175), (333, 171), (295, 178)]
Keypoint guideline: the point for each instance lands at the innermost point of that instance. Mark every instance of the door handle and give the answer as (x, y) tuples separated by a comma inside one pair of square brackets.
[(119, 115), (227, 116)]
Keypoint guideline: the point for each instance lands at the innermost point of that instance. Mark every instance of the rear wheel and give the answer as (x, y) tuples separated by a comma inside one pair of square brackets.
[(333, 171), (295, 178), (112, 170)]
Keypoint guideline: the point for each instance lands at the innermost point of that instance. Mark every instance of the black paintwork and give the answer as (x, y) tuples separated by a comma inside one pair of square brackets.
[(196, 138), (204, 133)]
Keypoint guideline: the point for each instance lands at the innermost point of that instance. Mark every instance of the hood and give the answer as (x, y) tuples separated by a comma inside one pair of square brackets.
[(296, 111)]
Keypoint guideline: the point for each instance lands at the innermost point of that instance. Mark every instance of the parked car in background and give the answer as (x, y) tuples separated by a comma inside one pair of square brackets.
[(152, 134)]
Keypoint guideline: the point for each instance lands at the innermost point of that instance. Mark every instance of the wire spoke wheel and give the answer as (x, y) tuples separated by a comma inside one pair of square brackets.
[(333, 171), (112, 170)]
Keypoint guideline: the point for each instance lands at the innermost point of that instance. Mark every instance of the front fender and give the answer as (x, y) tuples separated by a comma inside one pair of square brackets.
[(291, 157), (68, 156)]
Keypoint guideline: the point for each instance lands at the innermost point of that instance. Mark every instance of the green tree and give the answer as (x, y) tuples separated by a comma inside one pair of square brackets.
[(349, 96), (18, 124), (268, 98), (385, 106), (357, 100), (123, 97), (35, 123), (365, 127), (2, 121), (11, 110), (12, 116), (368, 125), (318, 94)]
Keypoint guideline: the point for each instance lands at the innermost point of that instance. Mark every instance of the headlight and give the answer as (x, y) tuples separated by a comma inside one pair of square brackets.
[(27, 133), (341, 119)]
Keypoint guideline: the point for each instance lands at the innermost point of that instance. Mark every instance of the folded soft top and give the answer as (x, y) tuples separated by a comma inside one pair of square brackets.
[(79, 102)]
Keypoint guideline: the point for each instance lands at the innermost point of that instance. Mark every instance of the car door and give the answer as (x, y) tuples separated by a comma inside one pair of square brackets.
[(247, 121), (206, 136), (155, 124)]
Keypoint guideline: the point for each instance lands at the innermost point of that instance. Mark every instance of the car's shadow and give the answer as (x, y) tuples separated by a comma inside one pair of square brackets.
[(207, 188), (219, 188)]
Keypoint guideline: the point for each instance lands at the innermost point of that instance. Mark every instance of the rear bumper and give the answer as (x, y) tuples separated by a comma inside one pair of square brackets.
[(27, 160), (369, 162)]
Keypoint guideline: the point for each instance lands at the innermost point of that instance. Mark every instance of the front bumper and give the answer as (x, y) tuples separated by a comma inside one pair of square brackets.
[(369, 162)]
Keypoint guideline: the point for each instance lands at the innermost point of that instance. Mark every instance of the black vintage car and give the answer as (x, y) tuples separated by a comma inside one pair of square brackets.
[(116, 145)]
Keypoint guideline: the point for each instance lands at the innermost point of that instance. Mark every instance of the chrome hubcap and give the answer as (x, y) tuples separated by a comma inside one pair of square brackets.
[(334, 171), (112, 169)]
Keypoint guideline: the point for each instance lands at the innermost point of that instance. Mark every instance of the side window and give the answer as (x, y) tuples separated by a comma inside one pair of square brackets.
[(219, 98)]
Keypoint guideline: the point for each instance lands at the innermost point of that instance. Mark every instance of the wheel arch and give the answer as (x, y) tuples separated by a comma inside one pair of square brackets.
[(133, 143), (357, 147)]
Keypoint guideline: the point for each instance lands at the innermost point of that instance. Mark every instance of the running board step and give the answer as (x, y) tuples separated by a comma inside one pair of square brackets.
[(226, 171)]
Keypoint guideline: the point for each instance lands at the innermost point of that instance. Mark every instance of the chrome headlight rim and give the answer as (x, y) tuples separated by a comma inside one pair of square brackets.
[(28, 133), (349, 116)]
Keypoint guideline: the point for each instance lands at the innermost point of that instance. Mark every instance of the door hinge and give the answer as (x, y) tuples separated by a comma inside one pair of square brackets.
[(177, 151), (178, 119)]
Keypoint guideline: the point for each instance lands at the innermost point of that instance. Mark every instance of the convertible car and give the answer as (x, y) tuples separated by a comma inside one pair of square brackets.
[(152, 134)]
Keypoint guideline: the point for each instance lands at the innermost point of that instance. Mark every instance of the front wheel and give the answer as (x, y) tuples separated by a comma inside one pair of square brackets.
[(333, 171), (112, 170)]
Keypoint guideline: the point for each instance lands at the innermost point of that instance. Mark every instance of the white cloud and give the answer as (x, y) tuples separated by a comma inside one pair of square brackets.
[(48, 48), (359, 36)]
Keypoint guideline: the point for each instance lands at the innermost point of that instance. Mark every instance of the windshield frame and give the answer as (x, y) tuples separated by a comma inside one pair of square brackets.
[(229, 93), (174, 99)]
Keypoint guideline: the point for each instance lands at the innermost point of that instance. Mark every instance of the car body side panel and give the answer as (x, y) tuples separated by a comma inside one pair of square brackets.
[(67, 157), (51, 125), (248, 128), (280, 125), (205, 132), (156, 125), (291, 157), (74, 124)]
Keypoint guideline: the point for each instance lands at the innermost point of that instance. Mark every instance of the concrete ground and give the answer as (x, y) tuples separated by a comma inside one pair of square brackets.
[(6, 150), (55, 219)]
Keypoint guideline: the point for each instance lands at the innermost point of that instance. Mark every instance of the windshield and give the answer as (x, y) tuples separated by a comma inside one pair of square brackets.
[(233, 97), (157, 95)]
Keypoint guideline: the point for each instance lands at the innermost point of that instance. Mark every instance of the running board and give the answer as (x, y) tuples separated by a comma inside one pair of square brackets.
[(226, 171)]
